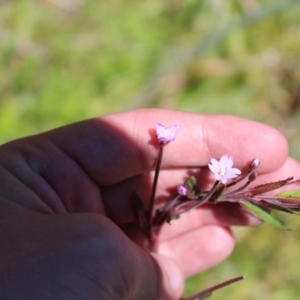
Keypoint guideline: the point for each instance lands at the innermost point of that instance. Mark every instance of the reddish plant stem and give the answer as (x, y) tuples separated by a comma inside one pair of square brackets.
[(161, 216), (153, 192), (202, 200), (239, 189), (208, 291), (153, 239)]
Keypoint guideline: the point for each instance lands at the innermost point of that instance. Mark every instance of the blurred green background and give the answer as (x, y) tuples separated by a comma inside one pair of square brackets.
[(67, 60)]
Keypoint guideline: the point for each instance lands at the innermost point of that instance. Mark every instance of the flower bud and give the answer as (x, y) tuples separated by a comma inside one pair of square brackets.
[(254, 164), (181, 190), (252, 176), (166, 134)]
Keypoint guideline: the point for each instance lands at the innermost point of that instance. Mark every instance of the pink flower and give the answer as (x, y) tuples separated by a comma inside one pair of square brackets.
[(223, 169), (165, 134), (181, 190)]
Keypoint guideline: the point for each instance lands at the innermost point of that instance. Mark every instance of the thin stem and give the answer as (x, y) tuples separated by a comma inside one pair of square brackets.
[(204, 198), (185, 203), (238, 190), (165, 210), (208, 291), (152, 198), (247, 174)]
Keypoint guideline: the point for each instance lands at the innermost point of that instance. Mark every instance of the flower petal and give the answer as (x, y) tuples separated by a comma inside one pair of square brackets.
[(165, 134), (222, 169)]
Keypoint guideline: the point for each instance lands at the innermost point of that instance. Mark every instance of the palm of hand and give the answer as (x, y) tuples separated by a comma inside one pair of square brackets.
[(66, 199)]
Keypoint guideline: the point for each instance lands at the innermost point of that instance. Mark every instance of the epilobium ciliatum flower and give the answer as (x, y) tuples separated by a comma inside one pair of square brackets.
[(223, 169), (190, 196), (166, 134)]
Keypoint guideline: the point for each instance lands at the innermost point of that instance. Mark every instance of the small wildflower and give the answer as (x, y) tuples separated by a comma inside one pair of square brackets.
[(165, 134), (181, 190), (223, 169)]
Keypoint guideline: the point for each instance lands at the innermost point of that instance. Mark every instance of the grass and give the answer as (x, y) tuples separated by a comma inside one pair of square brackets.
[(60, 65)]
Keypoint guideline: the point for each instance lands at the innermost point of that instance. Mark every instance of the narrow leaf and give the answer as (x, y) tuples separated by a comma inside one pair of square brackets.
[(263, 215), (138, 203), (218, 193), (140, 210), (290, 202), (172, 216), (193, 190), (293, 193), (281, 208), (263, 188)]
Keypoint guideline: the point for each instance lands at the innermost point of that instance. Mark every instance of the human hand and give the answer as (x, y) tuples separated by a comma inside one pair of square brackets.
[(68, 228)]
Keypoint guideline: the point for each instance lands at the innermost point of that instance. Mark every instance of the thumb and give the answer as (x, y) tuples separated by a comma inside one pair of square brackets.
[(172, 277), (155, 277)]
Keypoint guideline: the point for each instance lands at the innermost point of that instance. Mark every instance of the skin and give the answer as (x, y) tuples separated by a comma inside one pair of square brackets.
[(68, 229)]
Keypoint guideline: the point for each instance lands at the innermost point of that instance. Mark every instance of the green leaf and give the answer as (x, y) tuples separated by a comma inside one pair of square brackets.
[(263, 215), (292, 211), (193, 190), (172, 216), (219, 192), (293, 193)]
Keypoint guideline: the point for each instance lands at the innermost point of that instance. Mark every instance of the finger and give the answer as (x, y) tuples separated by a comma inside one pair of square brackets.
[(199, 249), (155, 276), (173, 279), (123, 145), (221, 214), (51, 180)]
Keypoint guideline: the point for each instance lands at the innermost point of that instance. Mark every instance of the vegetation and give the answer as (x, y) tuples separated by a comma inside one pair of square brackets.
[(63, 61)]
